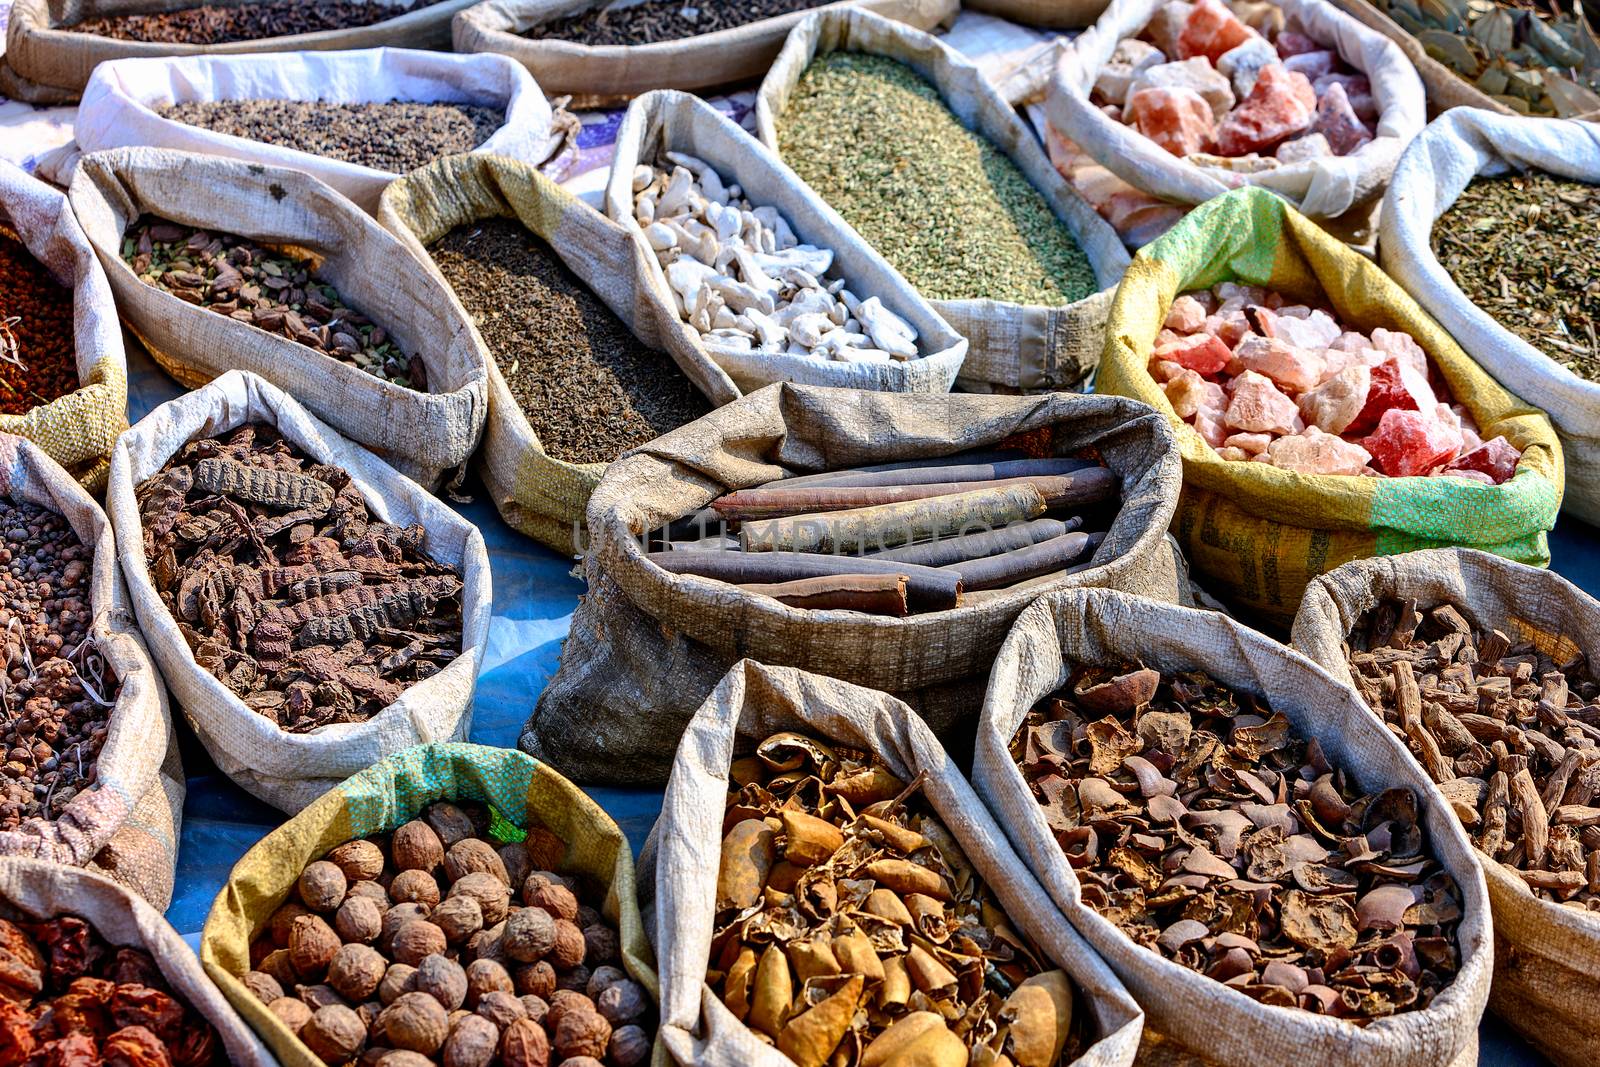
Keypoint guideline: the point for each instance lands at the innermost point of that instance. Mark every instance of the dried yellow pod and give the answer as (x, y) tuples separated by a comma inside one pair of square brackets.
[(1040, 1015), (894, 835), (748, 853), (773, 994), (813, 958), (810, 840), (929, 975), (736, 984), (811, 1037), (856, 955), (747, 770), (886, 904), (869, 785), (927, 917), (784, 876), (896, 987), (921, 1039), (903, 877)]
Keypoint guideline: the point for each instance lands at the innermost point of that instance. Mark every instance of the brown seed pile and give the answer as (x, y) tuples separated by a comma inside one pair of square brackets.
[(588, 387), (1511, 736), (434, 945), (68, 998), (37, 362), (662, 20), (851, 928), (286, 588), (220, 24), (56, 689), (269, 289), (1202, 827), (397, 136)]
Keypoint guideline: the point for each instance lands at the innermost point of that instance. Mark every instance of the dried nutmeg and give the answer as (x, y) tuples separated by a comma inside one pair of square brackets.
[(487, 976), (417, 940), (359, 919), (334, 1034), (398, 979), (557, 899), (529, 936), (322, 886), (277, 964), (581, 1033), (312, 944), (444, 980), (402, 1058), (355, 971), (358, 860), (450, 822), (471, 1043), (576, 979), (601, 944), (603, 978), (563, 1001), (416, 847), (536, 1007), (622, 1002), (373, 891), (291, 1011), (283, 919), (414, 887), (630, 1046), (546, 851), (459, 917), (265, 987), (471, 856), (570, 948), (492, 894), (485, 944), (518, 865), (502, 1009), (416, 1022), (320, 995), (535, 979), (524, 1044)]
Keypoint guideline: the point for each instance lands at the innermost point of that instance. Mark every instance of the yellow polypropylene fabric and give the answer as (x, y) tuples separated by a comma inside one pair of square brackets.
[(1257, 534)]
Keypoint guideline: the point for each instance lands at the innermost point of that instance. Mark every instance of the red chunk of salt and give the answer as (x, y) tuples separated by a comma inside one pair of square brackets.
[(1496, 458), (1410, 443), (1281, 105), (1199, 352), (1390, 390), (1211, 29)]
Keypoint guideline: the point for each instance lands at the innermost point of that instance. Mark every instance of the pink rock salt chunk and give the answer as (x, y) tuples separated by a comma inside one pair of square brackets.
[(1252, 443), (1409, 443), (1258, 406), (1280, 106), (1199, 352), (1293, 369), (1235, 455), (1212, 30), (1496, 459), (1164, 370), (1242, 63), (1167, 24), (1315, 452), (1295, 311), (1315, 330), (1312, 64), (1467, 475), (1178, 120), (1357, 89), (1186, 315), (1168, 337), (1211, 429), (1263, 320), (1289, 43), (1336, 120), (1334, 405), (1233, 292), (1206, 297), (1400, 344), (1469, 428), (1305, 147), (1350, 341), (1196, 74), (1394, 386), (1228, 326)]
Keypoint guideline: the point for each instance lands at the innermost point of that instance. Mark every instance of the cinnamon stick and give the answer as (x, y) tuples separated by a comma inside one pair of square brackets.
[(874, 594), (779, 501), (1020, 564), (900, 466), (890, 525), (970, 468), (927, 589), (978, 545)]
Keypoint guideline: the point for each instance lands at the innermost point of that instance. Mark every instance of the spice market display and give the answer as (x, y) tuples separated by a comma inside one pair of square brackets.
[(36, 345), (654, 21), (212, 24)]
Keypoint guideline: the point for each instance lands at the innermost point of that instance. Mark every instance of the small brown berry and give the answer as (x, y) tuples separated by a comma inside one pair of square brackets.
[(312, 944), (459, 917), (359, 919), (472, 1043), (356, 970), (416, 847), (444, 980), (524, 1044), (554, 898), (472, 856), (487, 976), (414, 886), (322, 886), (569, 949), (359, 860), (623, 1002), (450, 822), (601, 944), (334, 1034), (535, 979), (629, 1047), (530, 935), (397, 979), (415, 1022), (291, 1011), (492, 895), (415, 941), (265, 987), (581, 1033)]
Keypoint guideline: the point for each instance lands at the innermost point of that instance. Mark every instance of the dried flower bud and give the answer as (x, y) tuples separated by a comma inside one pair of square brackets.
[(558, 900), (623, 1002), (601, 944), (359, 860), (415, 941), (630, 1046), (459, 917), (444, 980), (472, 1043), (398, 979), (416, 847), (581, 1033), (492, 895), (265, 987), (356, 970), (322, 886), (312, 944), (450, 822), (529, 936), (414, 886), (569, 949), (334, 1034), (524, 1044), (359, 919), (535, 979), (472, 856), (487, 976), (415, 1021), (291, 1012)]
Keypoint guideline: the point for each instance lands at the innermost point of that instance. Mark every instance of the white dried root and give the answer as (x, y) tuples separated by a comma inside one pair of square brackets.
[(742, 279)]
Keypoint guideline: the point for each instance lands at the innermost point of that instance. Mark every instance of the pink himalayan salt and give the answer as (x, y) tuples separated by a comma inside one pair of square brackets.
[(1334, 405), (1357, 89), (1258, 406), (1166, 25), (1306, 147), (1394, 386), (1191, 395), (1290, 43), (1313, 330), (1230, 326), (1293, 369), (1408, 443), (1200, 352), (1186, 315), (1237, 455), (1312, 64), (1315, 452), (1164, 370), (1211, 429), (1196, 74), (1212, 29), (1168, 337), (1398, 343), (1250, 443), (1350, 341), (1280, 106), (1337, 121), (1242, 63), (1177, 120), (1495, 459), (1240, 295)]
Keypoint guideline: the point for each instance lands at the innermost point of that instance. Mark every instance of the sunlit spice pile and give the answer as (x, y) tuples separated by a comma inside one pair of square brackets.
[(652, 21), (224, 23)]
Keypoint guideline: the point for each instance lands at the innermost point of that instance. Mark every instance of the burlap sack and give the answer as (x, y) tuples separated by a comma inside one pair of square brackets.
[(540, 495), (285, 769), (1547, 957), (76, 430), (1015, 347), (33, 890), (119, 104), (677, 122), (1192, 1018), (646, 646), (423, 435), (127, 824), (752, 703), (45, 60), (1456, 148), (608, 75), (1322, 188)]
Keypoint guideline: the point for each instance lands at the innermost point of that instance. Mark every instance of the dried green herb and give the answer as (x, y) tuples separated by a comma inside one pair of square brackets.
[(941, 203), (1522, 248), (653, 21)]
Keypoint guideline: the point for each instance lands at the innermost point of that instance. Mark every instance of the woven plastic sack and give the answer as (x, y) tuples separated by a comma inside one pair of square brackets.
[(1015, 347), (525, 793), (422, 434), (46, 61), (118, 108), (677, 122), (76, 430), (752, 703), (1455, 148), (608, 75), (536, 493), (1547, 957), (647, 646), (1192, 1018), (34, 890), (126, 825), (290, 770), (1322, 188), (1257, 534)]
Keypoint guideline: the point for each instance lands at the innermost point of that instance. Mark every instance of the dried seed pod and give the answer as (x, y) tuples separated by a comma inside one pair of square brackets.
[(374, 891), (459, 917), (415, 1022), (630, 1046), (416, 847), (470, 855), (535, 979), (487, 976), (398, 979), (358, 920), (472, 1043), (450, 822), (414, 886), (416, 941), (334, 1034), (283, 919), (749, 850), (811, 1036), (402, 1058), (290, 1011), (281, 489), (358, 860), (355, 971), (546, 851), (603, 978), (581, 1033), (1040, 1016), (563, 1001), (312, 944), (395, 918), (524, 1044), (265, 987), (278, 964), (921, 1038), (322, 886), (493, 895), (530, 935), (444, 980), (601, 944), (517, 863), (569, 949), (558, 900), (501, 1008), (320, 995), (623, 1002)]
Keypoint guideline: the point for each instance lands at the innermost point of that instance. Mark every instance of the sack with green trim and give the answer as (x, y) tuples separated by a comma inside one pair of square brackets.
[(520, 793), (1257, 533)]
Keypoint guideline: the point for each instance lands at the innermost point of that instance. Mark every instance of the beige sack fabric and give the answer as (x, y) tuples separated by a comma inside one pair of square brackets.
[(46, 59), (647, 646), (752, 703), (1547, 957), (536, 493), (289, 770), (1194, 1018), (76, 430), (33, 890), (607, 75), (422, 434), (127, 824), (677, 122), (1052, 14), (1015, 347)]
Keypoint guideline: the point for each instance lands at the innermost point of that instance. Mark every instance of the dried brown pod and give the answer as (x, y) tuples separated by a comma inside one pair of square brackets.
[(415, 846), (278, 964), (459, 917), (487, 976), (535, 979), (334, 1034), (450, 822), (358, 860), (398, 979), (517, 863), (415, 886), (374, 890), (471, 855), (630, 1046), (486, 944), (292, 1012), (581, 1033), (312, 944), (355, 971), (601, 944), (472, 1043), (569, 949), (576, 980), (358, 920), (416, 941), (558, 900), (283, 918), (264, 987), (320, 995), (415, 1022), (563, 1001), (524, 1044), (748, 852), (492, 894), (603, 978), (501, 1008), (443, 979), (397, 917), (622, 1002), (536, 1007), (402, 1058), (546, 851), (530, 935)]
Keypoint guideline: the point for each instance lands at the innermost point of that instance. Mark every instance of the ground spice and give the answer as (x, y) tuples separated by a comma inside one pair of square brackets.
[(37, 363), (1522, 248), (662, 20), (397, 136), (946, 207), (221, 24), (588, 387)]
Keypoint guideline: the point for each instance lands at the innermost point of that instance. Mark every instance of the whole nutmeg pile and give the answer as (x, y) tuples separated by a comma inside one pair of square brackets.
[(851, 928), (69, 998), (434, 945)]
